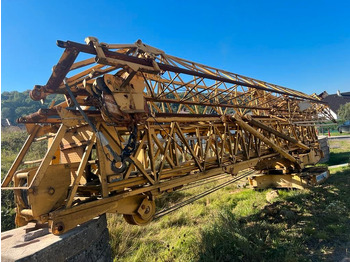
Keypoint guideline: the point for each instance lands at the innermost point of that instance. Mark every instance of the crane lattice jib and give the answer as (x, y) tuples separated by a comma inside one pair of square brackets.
[(137, 123)]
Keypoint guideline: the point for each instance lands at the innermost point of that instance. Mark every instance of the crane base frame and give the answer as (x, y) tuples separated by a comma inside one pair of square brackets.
[(307, 178)]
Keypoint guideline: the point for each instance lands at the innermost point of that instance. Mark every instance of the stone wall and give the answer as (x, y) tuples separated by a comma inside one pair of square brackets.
[(87, 242)]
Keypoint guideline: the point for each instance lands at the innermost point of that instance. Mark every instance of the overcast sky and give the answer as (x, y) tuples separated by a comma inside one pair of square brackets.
[(304, 45)]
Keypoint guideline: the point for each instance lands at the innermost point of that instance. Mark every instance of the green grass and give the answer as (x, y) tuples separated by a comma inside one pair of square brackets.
[(232, 224), (339, 152), (336, 133), (240, 225), (333, 133), (12, 140), (11, 143), (235, 224)]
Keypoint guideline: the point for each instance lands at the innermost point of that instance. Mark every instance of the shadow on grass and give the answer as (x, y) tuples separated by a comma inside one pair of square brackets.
[(338, 158), (305, 225), (169, 199)]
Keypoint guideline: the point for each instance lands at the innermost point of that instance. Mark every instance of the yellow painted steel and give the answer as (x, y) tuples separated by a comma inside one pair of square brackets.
[(138, 123)]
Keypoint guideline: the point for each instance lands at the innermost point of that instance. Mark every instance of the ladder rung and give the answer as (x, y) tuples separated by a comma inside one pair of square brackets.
[(22, 175), (42, 138), (27, 212), (92, 162), (29, 162), (15, 188)]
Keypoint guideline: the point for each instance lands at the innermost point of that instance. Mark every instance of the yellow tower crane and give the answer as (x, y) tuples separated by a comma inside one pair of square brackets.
[(137, 123)]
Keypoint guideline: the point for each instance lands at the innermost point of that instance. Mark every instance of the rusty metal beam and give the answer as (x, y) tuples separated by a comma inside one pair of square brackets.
[(275, 132), (91, 50), (264, 139)]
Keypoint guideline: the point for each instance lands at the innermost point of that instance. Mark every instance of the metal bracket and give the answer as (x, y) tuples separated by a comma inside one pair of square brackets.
[(102, 59)]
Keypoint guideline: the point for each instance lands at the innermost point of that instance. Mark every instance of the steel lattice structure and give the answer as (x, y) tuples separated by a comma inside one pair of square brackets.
[(137, 123)]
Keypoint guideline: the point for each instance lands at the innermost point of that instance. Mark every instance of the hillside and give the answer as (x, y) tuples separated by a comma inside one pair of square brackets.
[(16, 104)]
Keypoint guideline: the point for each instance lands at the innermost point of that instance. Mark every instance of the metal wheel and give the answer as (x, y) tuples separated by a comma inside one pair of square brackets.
[(144, 216)]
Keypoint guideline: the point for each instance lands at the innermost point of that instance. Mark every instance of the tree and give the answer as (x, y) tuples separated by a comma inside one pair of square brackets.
[(344, 112), (16, 104)]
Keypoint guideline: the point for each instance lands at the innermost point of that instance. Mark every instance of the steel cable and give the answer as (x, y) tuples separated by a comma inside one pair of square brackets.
[(203, 194)]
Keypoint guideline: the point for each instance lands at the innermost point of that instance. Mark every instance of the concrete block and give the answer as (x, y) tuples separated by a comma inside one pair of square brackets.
[(325, 148), (87, 242)]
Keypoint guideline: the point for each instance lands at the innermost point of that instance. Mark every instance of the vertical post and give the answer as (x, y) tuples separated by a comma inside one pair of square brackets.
[(49, 155), (80, 171), (20, 156), (102, 168)]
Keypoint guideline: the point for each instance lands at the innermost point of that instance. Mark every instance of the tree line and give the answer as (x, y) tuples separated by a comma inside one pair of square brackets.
[(15, 104)]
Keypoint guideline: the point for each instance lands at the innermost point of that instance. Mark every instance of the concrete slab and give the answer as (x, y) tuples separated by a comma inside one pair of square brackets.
[(335, 137), (341, 165)]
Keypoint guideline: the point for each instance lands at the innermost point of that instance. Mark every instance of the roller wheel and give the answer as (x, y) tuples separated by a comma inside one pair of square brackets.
[(146, 218)]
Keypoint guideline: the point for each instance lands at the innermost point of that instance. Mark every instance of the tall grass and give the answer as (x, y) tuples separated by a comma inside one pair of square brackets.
[(240, 225)]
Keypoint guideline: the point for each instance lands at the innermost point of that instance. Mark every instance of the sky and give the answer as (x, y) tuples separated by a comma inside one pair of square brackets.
[(303, 45)]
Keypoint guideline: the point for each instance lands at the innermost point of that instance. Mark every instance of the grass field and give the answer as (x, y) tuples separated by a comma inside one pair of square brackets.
[(239, 224), (339, 152), (333, 132)]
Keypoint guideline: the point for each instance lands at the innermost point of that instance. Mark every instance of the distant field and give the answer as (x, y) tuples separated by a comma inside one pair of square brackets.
[(339, 151), (334, 133)]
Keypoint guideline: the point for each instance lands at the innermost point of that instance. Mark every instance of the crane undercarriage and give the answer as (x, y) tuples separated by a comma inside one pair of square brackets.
[(137, 123)]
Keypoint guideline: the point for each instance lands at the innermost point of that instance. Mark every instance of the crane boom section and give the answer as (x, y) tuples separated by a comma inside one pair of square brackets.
[(137, 123)]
